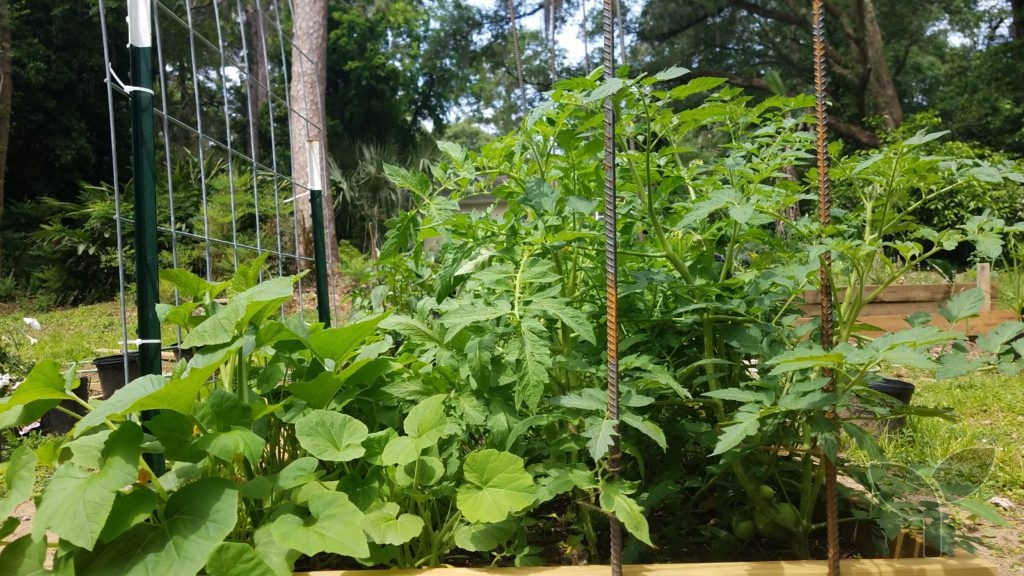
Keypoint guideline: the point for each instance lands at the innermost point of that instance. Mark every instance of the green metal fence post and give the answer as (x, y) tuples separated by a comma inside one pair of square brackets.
[(140, 34), (316, 202)]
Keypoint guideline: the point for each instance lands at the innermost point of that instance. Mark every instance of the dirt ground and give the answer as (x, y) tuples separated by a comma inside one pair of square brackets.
[(1007, 542)]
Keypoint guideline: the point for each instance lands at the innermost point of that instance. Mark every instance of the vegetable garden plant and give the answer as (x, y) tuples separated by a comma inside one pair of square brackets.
[(461, 418)]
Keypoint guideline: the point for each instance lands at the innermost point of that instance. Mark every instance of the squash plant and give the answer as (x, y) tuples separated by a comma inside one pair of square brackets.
[(280, 442)]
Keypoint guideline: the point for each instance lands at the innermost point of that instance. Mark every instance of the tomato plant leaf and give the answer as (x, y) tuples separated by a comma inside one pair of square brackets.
[(601, 432), (734, 434), (615, 498)]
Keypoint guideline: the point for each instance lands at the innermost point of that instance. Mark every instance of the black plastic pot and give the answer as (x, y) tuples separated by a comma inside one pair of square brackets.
[(900, 391), (111, 372), (57, 422)]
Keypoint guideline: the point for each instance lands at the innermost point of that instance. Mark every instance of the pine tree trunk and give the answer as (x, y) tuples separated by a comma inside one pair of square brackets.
[(307, 117), (6, 91), (257, 77), (1017, 25)]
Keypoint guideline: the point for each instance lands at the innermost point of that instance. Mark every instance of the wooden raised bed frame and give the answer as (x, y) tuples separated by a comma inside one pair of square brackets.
[(888, 310), (966, 566)]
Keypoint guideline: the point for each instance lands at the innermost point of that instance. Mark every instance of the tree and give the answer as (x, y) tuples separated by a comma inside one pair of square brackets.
[(307, 118), (746, 41), (6, 91)]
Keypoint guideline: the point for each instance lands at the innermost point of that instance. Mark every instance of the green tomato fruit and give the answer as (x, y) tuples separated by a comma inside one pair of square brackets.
[(743, 529), (766, 492), (789, 516)]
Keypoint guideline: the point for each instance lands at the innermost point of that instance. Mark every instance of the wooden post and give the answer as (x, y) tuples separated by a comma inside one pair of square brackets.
[(985, 283)]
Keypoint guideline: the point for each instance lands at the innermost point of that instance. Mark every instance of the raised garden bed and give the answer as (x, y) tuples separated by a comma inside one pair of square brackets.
[(967, 566)]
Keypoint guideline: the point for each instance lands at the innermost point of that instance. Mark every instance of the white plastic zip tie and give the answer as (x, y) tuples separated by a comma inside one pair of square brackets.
[(138, 341), (296, 197), (128, 89)]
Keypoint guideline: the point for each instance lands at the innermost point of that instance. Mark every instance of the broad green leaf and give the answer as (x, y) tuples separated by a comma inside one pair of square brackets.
[(615, 498), (999, 336), (331, 436), (340, 343), (195, 521), (384, 525), (427, 421), (24, 557), (42, 390), (190, 285), (497, 485), (601, 432), (225, 445), (130, 508), (964, 305), (19, 479), (77, 501), (734, 434), (696, 85), (222, 326), (400, 450), (120, 402), (484, 537), (335, 527), (424, 471), (298, 472), (237, 559)]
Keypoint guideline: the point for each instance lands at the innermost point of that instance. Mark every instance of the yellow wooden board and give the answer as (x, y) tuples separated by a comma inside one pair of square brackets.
[(968, 566)]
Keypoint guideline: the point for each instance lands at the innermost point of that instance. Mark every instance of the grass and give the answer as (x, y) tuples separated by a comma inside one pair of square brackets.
[(991, 413), (71, 334)]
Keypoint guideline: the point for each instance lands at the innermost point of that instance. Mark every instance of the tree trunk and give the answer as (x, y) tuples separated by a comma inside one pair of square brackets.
[(307, 117), (257, 77), (6, 91), (1017, 24), (882, 99)]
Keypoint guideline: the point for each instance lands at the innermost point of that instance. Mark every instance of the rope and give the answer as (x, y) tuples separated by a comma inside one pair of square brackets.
[(611, 277), (824, 217)]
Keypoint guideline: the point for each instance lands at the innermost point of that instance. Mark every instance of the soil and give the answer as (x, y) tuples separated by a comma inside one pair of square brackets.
[(1006, 542)]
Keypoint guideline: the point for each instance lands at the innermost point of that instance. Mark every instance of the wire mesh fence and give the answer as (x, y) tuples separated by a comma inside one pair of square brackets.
[(223, 193)]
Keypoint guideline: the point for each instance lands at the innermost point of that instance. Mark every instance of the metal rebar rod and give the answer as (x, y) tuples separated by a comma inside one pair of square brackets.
[(611, 277), (825, 271)]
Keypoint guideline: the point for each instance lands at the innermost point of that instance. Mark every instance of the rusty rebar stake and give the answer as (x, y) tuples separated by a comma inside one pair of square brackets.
[(825, 271), (611, 277)]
